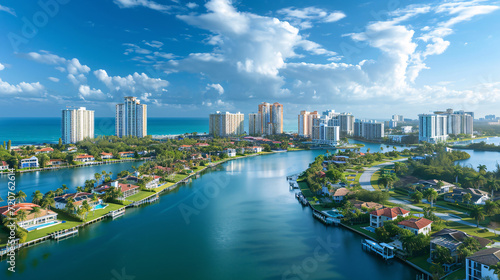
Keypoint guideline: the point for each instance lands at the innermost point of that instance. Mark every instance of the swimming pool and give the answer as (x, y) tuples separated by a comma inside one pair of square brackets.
[(100, 206), (41, 225)]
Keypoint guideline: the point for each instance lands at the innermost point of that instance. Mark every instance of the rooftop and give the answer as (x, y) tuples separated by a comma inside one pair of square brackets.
[(416, 223), (488, 257)]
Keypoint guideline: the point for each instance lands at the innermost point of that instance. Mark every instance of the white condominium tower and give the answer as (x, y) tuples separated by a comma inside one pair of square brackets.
[(223, 124), (77, 124), (131, 118), (436, 127), (325, 129), (271, 118)]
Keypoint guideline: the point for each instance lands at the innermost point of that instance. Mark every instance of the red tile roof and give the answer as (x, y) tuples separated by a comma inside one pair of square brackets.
[(416, 224), (84, 156), (106, 154), (186, 146), (3, 163), (48, 149), (123, 153), (202, 144), (126, 187), (390, 212)]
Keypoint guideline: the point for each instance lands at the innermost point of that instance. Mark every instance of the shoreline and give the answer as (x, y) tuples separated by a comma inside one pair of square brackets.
[(5, 251)]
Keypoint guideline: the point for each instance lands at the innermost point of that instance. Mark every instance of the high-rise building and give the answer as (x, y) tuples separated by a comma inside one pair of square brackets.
[(271, 118), (368, 129), (346, 123), (436, 127), (305, 122), (131, 118), (398, 118), (224, 124), (77, 124), (325, 129), (433, 128), (254, 124), (490, 117)]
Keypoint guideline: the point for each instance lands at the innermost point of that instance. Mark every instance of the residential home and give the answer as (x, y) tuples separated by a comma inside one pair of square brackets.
[(126, 154), (71, 149), (477, 266), (106, 155), (56, 162), (3, 166), (168, 170), (185, 147), (339, 194), (46, 217), (196, 156), (257, 149), (368, 205), (84, 158), (417, 226), (445, 188), (451, 239), (479, 197), (61, 201), (126, 189), (201, 144), (101, 190), (154, 182), (31, 162), (230, 152), (378, 217), (44, 151)]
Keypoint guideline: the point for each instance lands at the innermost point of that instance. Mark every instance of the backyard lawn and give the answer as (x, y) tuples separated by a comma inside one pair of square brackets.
[(139, 196)]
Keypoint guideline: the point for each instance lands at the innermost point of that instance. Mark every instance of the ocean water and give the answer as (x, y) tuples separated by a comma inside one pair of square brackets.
[(48, 130)]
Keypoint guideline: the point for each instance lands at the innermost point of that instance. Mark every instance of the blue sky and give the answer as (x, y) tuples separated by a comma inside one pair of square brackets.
[(189, 58)]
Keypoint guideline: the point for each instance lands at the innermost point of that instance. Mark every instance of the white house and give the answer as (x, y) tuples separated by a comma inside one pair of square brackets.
[(61, 201), (257, 149), (106, 155), (3, 166), (29, 162), (477, 266), (378, 217), (84, 158), (417, 226), (44, 218), (153, 183), (230, 152)]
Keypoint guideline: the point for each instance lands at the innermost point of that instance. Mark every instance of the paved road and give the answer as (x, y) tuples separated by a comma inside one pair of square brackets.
[(366, 177)]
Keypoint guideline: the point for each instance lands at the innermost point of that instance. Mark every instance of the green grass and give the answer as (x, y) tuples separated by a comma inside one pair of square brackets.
[(358, 228), (179, 177), (421, 261), (139, 196), (457, 275), (374, 180), (166, 185), (473, 231)]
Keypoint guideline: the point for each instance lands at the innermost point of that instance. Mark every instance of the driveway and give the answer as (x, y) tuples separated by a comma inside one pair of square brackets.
[(366, 177)]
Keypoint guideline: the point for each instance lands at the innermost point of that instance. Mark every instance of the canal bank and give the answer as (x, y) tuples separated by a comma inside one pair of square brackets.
[(238, 217)]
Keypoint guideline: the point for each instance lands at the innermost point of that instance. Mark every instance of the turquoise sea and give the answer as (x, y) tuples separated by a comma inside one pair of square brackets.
[(48, 130)]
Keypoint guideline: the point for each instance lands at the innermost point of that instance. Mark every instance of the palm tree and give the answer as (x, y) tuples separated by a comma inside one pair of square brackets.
[(59, 191), (492, 185), (36, 211), (477, 213), (47, 202), (482, 169), (97, 177), (70, 205), (50, 193), (490, 208), (64, 188), (80, 211), (431, 194), (20, 196), (79, 189), (21, 215), (86, 207), (36, 197)]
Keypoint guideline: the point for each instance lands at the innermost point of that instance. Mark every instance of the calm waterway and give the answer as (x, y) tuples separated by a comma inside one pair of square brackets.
[(489, 159), (240, 221)]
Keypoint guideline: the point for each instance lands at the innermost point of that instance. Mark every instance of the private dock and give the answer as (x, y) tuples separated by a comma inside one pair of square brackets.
[(384, 250), (64, 233)]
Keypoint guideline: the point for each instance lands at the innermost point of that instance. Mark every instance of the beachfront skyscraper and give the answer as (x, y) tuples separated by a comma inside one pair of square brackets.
[(224, 124), (325, 129), (77, 124), (305, 122), (254, 124), (368, 129), (131, 118), (271, 118), (436, 127)]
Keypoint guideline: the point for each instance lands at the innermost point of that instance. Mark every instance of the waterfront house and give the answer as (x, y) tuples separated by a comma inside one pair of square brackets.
[(445, 188), (479, 197), (3, 166), (340, 194), (378, 217), (101, 190), (451, 239), (106, 155), (256, 149), (45, 217), (230, 152), (168, 170), (55, 162), (477, 266), (44, 151), (71, 149), (126, 189), (126, 154), (31, 162), (84, 158), (417, 226), (155, 180), (61, 201)]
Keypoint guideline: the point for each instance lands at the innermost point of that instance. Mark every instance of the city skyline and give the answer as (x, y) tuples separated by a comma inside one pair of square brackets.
[(363, 57)]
